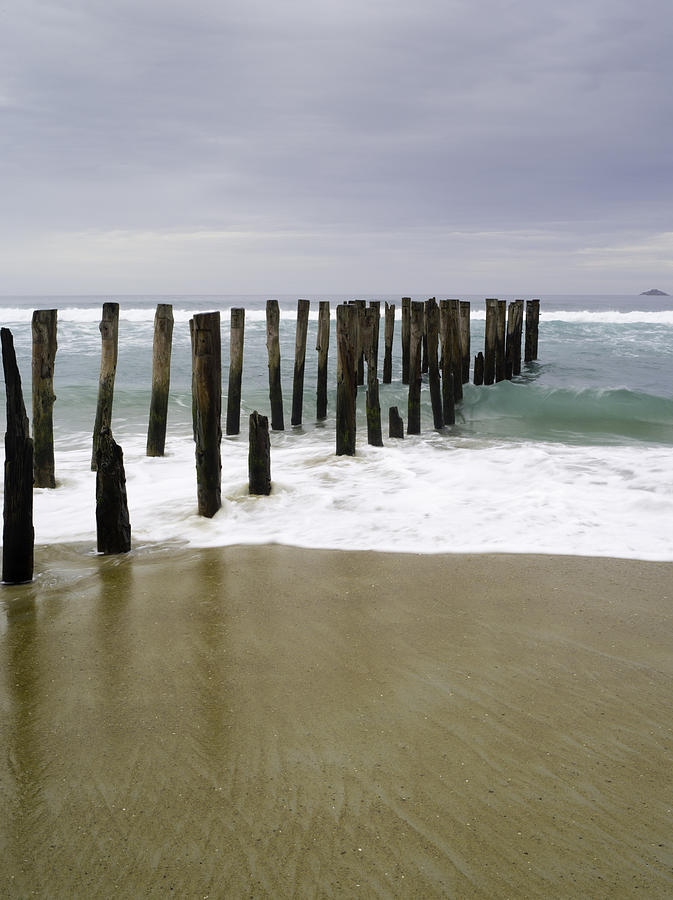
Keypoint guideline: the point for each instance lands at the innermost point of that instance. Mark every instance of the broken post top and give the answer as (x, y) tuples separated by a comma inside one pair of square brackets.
[(16, 410)]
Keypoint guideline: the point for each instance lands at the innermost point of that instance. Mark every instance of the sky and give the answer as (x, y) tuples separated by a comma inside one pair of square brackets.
[(351, 147)]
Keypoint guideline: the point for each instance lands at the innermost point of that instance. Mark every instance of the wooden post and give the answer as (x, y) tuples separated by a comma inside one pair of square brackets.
[(161, 379), (389, 331), (259, 455), (207, 384), (490, 336), (361, 306), (465, 338), (369, 334), (347, 320), (273, 349), (113, 528), (415, 342), (191, 338), (18, 536), (424, 355), (510, 350), (299, 361), (109, 330), (322, 346), (236, 341), (448, 400), (395, 423), (532, 323), (516, 338), (432, 329), (406, 336), (376, 305), (479, 368), (456, 350), (500, 357), (44, 353)]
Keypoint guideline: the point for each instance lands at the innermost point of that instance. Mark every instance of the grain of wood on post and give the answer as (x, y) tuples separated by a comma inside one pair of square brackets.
[(389, 331), (516, 337), (322, 346), (259, 455), (18, 536), (207, 385), (236, 342), (376, 305), (113, 526), (346, 330), (432, 330), (456, 349), (448, 399), (415, 349), (369, 335), (44, 354), (303, 307), (500, 346), (161, 379), (532, 323), (490, 338), (273, 350), (465, 338), (109, 331), (406, 336)]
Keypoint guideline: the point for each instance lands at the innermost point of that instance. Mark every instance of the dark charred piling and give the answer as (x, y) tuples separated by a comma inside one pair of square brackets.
[(161, 379), (490, 340), (44, 353), (424, 357), (479, 368), (376, 304), (395, 423), (415, 343), (432, 329), (259, 455), (448, 401), (500, 346), (456, 350), (406, 336), (369, 334), (465, 338), (389, 331), (273, 350), (303, 307), (360, 306), (113, 528), (207, 385), (347, 339), (109, 331), (322, 346), (18, 536), (236, 341), (532, 324), (513, 353)]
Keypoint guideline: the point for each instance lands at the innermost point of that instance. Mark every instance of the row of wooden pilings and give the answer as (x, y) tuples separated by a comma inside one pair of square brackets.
[(435, 339)]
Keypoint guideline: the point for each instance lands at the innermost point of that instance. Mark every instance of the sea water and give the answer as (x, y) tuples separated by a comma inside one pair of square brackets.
[(575, 455)]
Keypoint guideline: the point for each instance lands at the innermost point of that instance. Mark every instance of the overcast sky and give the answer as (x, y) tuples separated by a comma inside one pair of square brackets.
[(336, 146)]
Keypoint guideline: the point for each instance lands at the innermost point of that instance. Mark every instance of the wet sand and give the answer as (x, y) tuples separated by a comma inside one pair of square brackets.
[(271, 722)]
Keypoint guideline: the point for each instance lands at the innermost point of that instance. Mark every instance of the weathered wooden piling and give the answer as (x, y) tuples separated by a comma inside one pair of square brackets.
[(18, 536), (490, 339), (161, 379), (513, 351), (109, 330), (303, 307), (369, 334), (500, 347), (448, 400), (360, 306), (236, 341), (424, 346), (532, 324), (259, 455), (207, 385), (479, 368), (456, 349), (322, 346), (44, 353), (415, 344), (388, 332), (113, 527), (347, 330), (273, 350), (395, 423), (406, 336), (376, 305), (432, 332), (465, 338)]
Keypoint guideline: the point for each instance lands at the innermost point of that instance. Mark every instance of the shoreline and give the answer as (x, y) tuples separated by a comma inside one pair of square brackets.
[(271, 721)]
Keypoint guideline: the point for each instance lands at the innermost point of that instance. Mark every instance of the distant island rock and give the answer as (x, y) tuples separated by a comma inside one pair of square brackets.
[(654, 293)]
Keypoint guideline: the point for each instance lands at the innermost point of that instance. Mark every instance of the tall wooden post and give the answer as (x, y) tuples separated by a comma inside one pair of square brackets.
[(532, 323), (299, 361), (207, 384), (161, 379), (109, 330), (456, 349), (465, 338), (395, 423), (479, 368), (516, 337), (490, 337), (273, 350), (346, 329), (44, 353), (389, 331), (236, 341), (448, 399), (415, 345), (432, 329), (322, 346), (18, 536), (361, 306), (259, 455), (369, 334), (406, 336), (376, 305), (500, 351), (113, 527), (424, 354)]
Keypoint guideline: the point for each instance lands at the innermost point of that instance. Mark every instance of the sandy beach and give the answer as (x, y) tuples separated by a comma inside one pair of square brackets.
[(274, 722)]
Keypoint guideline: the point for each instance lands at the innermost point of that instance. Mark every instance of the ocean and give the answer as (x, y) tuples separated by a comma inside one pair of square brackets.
[(575, 456)]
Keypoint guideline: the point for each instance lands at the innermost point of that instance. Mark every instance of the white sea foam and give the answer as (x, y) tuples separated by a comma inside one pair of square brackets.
[(425, 498)]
